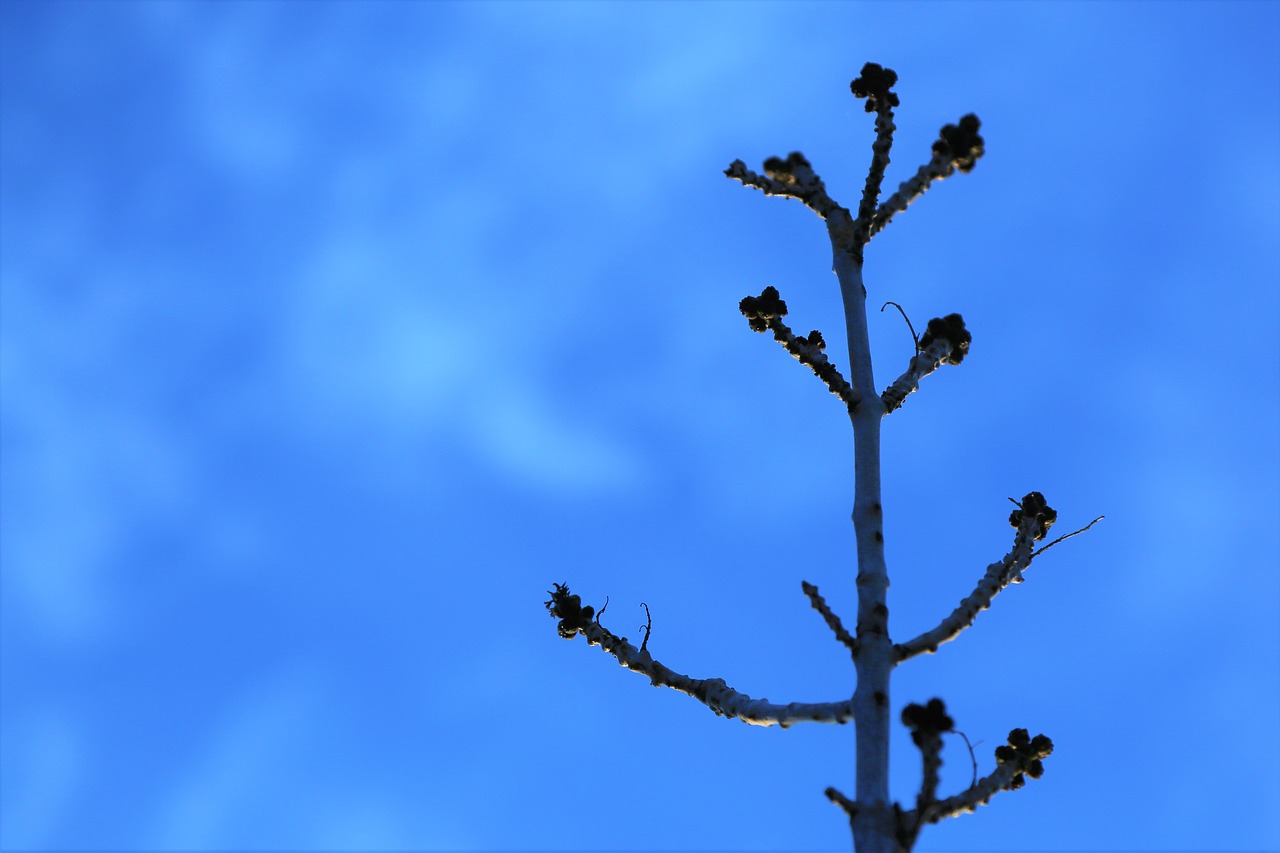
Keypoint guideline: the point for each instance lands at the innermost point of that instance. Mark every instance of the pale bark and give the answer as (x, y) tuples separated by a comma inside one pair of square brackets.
[(878, 824)]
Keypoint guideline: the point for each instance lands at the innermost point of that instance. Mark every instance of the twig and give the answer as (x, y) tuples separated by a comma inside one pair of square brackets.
[(914, 336), (998, 576), (972, 757), (791, 178), (849, 806), (832, 620), (1066, 536), (648, 628), (765, 312)]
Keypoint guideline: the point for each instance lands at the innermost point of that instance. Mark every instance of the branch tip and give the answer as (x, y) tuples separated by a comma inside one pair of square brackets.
[(1033, 506), (960, 145), (847, 805), (759, 310), (833, 621), (875, 84), (765, 313), (648, 627), (1067, 536), (951, 329), (569, 610)]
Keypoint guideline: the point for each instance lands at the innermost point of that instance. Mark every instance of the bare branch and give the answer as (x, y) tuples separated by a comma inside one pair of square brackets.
[(927, 722), (957, 147), (922, 364), (945, 341), (1021, 758), (713, 692), (875, 83), (832, 620), (765, 312), (847, 805), (1067, 536), (910, 190), (791, 178), (1032, 520)]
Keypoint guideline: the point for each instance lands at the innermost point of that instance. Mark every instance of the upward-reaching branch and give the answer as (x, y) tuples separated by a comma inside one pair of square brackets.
[(874, 84), (878, 825), (957, 148)]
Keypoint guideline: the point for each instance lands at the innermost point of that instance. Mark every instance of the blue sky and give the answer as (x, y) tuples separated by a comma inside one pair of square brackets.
[(333, 334)]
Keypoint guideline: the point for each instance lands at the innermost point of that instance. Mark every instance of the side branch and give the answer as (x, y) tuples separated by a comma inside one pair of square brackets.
[(1021, 758), (957, 148), (792, 178), (875, 84), (766, 312), (910, 190), (946, 341), (848, 806), (922, 364), (833, 621), (927, 723), (712, 692), (1032, 519)]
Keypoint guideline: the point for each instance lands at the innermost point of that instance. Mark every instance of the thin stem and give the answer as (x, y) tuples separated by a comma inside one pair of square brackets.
[(833, 621), (1068, 536)]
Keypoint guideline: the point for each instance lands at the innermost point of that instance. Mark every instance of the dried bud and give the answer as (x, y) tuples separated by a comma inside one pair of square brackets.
[(784, 171), (759, 310), (569, 610), (961, 144), (1024, 752), (874, 84), (813, 339), (927, 720), (1034, 506), (951, 328)]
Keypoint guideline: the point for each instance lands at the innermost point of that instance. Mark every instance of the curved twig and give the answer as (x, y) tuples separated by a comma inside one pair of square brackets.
[(914, 336)]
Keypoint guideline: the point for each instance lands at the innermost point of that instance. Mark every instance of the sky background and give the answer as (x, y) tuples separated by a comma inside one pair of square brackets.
[(334, 334)]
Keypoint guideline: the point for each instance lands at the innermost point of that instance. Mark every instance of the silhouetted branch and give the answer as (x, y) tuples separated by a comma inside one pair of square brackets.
[(712, 692)]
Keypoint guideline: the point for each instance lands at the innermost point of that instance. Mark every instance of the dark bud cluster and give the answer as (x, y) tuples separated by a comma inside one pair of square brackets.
[(813, 339), (1034, 506), (569, 610), (1025, 753), (960, 143), (926, 721), (759, 310), (873, 84), (784, 171), (951, 328)]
